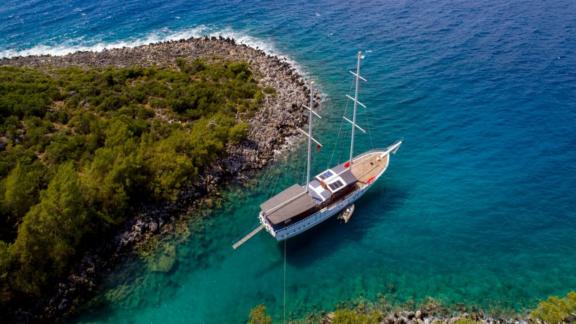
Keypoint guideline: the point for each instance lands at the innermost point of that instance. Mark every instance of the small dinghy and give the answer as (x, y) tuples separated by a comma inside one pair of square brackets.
[(347, 213)]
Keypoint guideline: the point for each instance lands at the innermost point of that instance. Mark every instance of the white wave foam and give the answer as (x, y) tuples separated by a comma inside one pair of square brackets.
[(267, 45), (165, 34), (80, 44)]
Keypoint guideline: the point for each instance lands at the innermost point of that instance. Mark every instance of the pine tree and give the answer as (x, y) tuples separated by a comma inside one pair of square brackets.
[(51, 231)]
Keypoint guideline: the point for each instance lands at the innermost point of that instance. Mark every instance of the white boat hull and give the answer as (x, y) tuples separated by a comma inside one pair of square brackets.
[(329, 211), (313, 220)]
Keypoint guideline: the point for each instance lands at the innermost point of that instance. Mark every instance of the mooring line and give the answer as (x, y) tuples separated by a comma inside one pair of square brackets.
[(284, 321)]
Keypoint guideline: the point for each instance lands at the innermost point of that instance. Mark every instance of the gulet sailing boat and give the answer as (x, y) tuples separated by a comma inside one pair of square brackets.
[(299, 208)]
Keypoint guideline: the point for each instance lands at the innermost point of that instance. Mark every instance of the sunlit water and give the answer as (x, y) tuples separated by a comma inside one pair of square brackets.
[(478, 206)]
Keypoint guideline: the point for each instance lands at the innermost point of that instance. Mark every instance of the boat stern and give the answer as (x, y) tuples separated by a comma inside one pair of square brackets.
[(267, 226)]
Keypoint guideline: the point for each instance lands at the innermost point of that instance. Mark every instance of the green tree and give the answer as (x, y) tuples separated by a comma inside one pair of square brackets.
[(111, 178), (22, 187), (169, 165), (238, 132), (5, 261), (101, 140), (50, 233)]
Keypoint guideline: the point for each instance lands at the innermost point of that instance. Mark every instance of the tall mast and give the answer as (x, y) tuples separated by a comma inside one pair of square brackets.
[(356, 103), (309, 141), (311, 114), (355, 106)]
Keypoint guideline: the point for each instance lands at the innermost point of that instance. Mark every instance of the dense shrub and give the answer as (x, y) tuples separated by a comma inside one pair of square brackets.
[(349, 316), (79, 147), (50, 232), (556, 310), (258, 315)]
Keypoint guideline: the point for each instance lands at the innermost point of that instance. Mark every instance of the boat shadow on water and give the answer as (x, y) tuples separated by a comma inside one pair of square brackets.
[(327, 238)]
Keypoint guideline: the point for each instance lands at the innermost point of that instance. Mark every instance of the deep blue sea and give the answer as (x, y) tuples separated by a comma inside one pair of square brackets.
[(478, 206)]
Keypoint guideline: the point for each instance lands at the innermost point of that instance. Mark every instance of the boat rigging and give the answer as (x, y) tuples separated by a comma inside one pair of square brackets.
[(299, 208)]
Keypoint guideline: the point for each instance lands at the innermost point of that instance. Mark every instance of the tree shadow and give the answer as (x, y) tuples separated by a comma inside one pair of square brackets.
[(327, 238)]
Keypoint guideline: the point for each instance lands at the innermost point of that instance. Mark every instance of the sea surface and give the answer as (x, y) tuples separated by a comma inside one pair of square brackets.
[(477, 207)]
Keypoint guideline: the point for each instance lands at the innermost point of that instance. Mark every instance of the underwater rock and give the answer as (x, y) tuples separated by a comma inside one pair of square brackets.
[(118, 293), (163, 260)]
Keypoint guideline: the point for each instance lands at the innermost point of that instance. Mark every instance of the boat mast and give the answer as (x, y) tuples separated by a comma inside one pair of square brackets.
[(356, 103), (357, 81), (311, 139)]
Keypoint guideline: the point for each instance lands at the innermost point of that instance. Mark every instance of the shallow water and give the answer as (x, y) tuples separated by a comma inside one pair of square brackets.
[(477, 207)]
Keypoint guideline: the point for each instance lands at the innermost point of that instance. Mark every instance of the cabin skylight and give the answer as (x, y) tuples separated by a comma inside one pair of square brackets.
[(325, 175), (334, 186)]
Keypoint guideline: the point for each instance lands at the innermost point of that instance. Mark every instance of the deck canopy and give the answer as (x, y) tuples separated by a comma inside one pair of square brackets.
[(337, 178), (318, 192), (345, 173), (287, 204)]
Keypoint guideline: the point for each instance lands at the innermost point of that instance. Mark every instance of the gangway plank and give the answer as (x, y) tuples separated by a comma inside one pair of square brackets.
[(247, 237)]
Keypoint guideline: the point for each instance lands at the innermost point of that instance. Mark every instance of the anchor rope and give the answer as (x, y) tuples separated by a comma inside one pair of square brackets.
[(284, 321)]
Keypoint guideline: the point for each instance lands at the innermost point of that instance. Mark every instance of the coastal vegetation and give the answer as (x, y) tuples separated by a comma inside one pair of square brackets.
[(80, 147), (258, 315), (349, 316), (553, 310), (556, 309)]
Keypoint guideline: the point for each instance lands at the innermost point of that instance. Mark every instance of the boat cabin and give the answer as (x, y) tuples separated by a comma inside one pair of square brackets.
[(295, 203)]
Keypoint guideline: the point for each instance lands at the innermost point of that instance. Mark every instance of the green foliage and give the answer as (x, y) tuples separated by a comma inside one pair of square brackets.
[(22, 188), (238, 132), (50, 232), (163, 259), (25, 92), (170, 164), (110, 179), (258, 315), (556, 310), (269, 90), (349, 316), (79, 147), (5, 263), (465, 320), (193, 68)]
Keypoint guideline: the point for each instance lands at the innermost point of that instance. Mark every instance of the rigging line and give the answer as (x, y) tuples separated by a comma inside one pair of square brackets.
[(270, 174), (371, 117), (339, 130), (271, 182), (303, 175), (343, 155), (370, 126), (329, 162), (287, 166), (278, 174), (276, 178)]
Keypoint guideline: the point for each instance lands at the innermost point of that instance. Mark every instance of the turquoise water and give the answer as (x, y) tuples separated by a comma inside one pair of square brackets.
[(477, 207)]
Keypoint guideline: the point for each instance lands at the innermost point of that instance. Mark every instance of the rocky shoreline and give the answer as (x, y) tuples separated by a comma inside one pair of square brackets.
[(272, 130), (424, 316), (430, 311)]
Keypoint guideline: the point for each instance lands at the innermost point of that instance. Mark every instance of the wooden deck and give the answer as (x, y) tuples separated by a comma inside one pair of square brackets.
[(366, 168)]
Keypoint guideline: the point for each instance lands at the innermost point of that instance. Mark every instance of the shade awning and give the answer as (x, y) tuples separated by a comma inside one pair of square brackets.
[(287, 204)]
